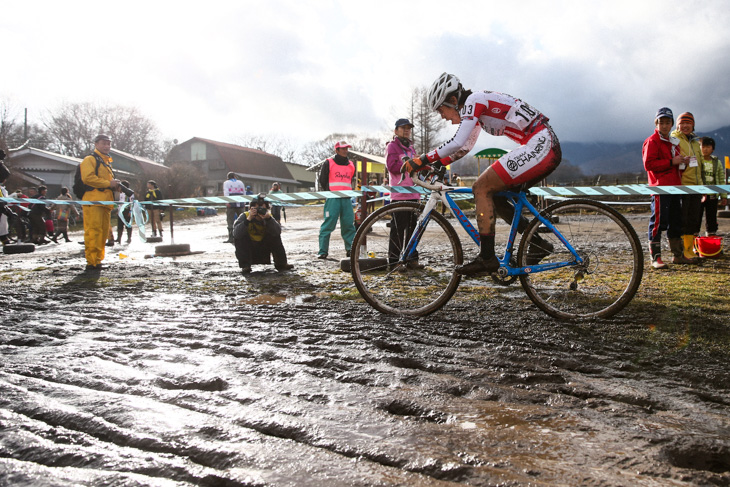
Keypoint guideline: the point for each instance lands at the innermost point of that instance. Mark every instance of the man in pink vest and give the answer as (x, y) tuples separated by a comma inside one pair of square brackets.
[(336, 175)]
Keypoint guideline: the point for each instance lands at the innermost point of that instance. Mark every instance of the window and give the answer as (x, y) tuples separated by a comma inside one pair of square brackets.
[(197, 151)]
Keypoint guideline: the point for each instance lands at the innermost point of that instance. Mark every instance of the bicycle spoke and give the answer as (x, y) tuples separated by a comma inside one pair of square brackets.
[(418, 286), (612, 262)]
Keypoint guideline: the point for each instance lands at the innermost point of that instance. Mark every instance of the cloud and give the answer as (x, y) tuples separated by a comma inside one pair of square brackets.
[(219, 70)]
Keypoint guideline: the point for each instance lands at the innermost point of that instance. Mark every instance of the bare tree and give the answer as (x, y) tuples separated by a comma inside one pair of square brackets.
[(272, 144), (10, 129), (73, 126), (14, 132), (182, 181), (320, 150), (427, 123)]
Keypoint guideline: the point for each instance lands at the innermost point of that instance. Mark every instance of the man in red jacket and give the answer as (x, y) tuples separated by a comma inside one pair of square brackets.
[(661, 160)]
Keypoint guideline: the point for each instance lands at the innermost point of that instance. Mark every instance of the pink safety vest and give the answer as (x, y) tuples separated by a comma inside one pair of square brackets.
[(340, 176)]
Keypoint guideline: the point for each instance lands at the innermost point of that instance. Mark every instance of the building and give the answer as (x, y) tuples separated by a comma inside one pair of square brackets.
[(31, 167), (257, 169), (305, 178), (137, 170)]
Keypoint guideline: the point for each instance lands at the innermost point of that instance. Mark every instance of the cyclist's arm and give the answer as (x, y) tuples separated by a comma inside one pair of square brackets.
[(459, 145)]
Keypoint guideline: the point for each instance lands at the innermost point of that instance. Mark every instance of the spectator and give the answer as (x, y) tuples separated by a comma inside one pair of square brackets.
[(713, 172), (63, 214), (39, 213), (371, 195), (662, 159), (336, 175), (96, 173), (403, 224), (154, 194), (5, 211), (256, 235), (233, 187), (126, 214), (277, 210), (689, 147), (19, 220), (456, 180)]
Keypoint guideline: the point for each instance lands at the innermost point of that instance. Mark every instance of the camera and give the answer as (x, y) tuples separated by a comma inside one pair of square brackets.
[(261, 210)]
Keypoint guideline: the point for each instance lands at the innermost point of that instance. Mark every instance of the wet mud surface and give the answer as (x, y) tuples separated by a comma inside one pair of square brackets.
[(179, 371)]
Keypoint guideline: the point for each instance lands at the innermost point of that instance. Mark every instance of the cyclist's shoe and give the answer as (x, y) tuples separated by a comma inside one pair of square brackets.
[(538, 251), (479, 266)]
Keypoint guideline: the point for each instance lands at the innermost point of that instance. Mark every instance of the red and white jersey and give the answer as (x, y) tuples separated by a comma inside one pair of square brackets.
[(495, 113)]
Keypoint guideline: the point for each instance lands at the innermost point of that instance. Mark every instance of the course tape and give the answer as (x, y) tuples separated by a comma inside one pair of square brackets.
[(294, 198)]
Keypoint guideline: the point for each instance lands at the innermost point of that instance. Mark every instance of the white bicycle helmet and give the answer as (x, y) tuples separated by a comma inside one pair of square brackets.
[(444, 86)]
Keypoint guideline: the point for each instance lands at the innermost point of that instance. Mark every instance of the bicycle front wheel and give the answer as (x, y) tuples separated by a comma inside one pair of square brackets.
[(612, 268), (392, 285)]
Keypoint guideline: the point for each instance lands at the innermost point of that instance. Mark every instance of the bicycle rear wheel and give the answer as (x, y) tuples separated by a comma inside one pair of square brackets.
[(613, 261), (405, 288)]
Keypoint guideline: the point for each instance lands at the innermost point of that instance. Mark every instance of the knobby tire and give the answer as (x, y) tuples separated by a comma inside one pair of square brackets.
[(398, 287), (612, 251)]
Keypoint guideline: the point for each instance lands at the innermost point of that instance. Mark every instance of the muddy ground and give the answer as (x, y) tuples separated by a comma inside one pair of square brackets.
[(179, 371)]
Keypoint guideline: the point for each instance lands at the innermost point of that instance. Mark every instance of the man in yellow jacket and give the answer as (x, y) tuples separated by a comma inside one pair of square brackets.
[(102, 184)]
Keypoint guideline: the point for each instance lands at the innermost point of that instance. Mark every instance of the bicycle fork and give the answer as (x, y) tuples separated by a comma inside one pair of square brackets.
[(423, 219)]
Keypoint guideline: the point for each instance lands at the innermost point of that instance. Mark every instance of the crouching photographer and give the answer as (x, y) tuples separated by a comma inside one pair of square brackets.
[(257, 236)]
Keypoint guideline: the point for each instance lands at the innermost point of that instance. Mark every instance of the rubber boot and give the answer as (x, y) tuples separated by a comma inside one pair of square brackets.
[(655, 250), (677, 247), (689, 248)]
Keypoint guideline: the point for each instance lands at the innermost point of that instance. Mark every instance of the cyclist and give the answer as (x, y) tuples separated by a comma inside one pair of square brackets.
[(500, 115)]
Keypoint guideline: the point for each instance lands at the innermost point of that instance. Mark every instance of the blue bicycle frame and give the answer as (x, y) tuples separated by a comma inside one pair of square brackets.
[(520, 202)]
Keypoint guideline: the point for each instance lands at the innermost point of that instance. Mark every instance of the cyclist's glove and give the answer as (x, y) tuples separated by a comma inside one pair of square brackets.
[(414, 165)]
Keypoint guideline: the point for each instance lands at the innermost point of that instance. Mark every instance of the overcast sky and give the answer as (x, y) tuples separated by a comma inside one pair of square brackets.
[(305, 69)]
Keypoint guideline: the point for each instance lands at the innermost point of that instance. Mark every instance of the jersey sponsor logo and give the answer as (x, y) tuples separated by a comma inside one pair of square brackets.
[(517, 162), (498, 110)]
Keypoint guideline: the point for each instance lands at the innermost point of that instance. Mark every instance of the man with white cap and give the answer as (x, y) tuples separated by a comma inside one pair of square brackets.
[(336, 175)]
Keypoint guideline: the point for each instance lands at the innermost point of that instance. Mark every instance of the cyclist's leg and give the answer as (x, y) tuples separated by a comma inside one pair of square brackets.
[(484, 188)]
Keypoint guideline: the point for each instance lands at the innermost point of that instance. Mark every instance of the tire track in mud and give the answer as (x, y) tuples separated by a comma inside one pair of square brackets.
[(185, 383)]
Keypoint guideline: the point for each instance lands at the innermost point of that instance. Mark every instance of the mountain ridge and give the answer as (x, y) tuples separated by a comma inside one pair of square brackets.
[(594, 158)]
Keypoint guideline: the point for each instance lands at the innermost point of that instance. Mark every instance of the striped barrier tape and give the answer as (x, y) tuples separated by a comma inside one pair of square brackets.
[(289, 199)]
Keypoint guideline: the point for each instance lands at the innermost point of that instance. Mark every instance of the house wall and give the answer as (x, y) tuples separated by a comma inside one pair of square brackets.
[(258, 170), (55, 174)]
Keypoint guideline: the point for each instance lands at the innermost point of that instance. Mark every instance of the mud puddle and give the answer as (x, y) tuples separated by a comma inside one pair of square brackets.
[(180, 371)]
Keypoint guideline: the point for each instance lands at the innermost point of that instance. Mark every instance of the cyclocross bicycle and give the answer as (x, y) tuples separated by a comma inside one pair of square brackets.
[(591, 267)]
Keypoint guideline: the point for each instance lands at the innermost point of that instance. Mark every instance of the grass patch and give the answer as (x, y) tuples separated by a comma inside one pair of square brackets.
[(686, 306)]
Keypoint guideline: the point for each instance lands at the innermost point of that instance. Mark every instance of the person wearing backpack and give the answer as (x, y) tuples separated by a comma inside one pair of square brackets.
[(96, 173)]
